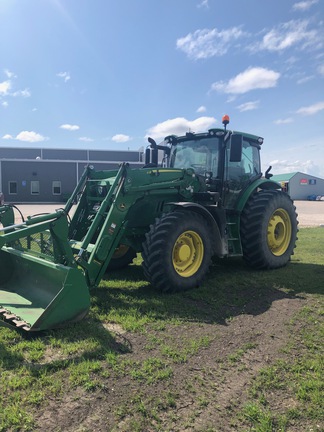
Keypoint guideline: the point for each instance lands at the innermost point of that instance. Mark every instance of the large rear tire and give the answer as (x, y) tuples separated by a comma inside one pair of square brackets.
[(177, 251), (268, 229)]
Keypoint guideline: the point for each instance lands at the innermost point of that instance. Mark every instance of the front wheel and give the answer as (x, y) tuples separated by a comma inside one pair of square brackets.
[(123, 256), (177, 251), (268, 229)]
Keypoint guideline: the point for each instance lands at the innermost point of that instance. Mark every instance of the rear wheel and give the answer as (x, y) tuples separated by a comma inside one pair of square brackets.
[(268, 229), (177, 251)]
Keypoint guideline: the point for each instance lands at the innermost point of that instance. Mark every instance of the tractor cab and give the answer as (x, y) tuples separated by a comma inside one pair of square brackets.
[(226, 161)]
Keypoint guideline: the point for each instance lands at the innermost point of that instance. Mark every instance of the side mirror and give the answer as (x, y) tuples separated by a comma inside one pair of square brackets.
[(151, 157), (236, 145), (151, 153), (152, 142)]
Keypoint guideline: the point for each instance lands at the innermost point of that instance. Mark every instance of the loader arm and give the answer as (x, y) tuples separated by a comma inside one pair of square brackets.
[(128, 187)]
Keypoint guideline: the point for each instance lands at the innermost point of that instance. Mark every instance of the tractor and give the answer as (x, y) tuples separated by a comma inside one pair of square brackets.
[(198, 196)]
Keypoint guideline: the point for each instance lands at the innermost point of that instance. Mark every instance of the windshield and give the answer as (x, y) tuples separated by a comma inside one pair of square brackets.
[(199, 154)]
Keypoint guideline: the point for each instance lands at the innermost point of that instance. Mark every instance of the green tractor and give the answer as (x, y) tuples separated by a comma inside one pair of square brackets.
[(197, 196)]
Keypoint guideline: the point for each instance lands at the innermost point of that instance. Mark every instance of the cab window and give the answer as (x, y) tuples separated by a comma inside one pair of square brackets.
[(248, 167), (239, 174)]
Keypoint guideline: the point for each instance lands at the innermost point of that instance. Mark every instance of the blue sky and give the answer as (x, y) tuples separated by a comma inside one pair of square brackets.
[(108, 73)]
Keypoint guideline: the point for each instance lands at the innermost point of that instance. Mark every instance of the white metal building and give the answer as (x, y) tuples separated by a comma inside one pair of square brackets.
[(301, 186)]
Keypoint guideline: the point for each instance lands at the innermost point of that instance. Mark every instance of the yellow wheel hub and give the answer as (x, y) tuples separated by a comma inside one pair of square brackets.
[(188, 253), (279, 232), (120, 251)]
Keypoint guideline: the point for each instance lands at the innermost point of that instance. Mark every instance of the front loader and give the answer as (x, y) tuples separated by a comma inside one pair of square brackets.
[(198, 196)]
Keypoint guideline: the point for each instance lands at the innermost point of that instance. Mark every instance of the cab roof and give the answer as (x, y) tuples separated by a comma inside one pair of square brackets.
[(212, 132)]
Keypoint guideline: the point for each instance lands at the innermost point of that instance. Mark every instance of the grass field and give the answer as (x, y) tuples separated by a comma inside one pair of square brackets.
[(242, 352)]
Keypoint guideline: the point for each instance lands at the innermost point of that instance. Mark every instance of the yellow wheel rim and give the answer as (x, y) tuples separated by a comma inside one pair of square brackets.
[(279, 232), (120, 251), (187, 254)]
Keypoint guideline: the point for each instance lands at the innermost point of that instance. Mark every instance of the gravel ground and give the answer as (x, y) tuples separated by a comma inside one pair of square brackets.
[(310, 213)]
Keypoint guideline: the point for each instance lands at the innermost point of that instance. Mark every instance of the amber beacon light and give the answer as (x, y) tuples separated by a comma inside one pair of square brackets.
[(225, 119)]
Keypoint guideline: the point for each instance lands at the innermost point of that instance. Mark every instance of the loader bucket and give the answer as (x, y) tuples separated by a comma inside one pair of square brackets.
[(36, 294)]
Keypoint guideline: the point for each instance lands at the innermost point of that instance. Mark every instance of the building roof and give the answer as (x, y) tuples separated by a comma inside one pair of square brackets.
[(283, 177), (289, 176)]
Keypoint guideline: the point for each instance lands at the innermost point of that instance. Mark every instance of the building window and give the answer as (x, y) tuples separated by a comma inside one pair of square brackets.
[(34, 187), (56, 188), (12, 188)]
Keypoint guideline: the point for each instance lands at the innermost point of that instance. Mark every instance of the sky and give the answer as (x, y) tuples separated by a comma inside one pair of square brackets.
[(106, 74)]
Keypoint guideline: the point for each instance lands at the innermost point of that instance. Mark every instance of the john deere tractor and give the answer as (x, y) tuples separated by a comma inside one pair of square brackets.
[(197, 196)]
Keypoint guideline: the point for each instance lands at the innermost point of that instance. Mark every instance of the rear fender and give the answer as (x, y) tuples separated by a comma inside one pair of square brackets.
[(259, 184)]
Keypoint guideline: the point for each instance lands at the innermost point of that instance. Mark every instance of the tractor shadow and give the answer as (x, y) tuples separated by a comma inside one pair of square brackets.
[(231, 288), (61, 348)]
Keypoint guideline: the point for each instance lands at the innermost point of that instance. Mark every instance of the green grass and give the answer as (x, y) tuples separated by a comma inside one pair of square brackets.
[(237, 355), (299, 379), (84, 357)]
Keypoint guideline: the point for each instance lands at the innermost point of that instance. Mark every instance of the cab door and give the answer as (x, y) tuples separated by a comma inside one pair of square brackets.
[(238, 174)]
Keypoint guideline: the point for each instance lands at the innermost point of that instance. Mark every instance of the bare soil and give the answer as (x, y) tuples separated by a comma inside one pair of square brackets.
[(208, 388)]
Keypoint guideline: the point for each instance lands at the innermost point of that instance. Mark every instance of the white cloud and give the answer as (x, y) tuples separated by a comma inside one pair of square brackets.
[(304, 5), (121, 138), (250, 79), (203, 3), (207, 43), (7, 137), (9, 74), (30, 136), (64, 75), (248, 106), (320, 69), (201, 109), (284, 121), (23, 93), (305, 79), (179, 126), (70, 127), (286, 166), (85, 139), (311, 109), (289, 34), (5, 86)]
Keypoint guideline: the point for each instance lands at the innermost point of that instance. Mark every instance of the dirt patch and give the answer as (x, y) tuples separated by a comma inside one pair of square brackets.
[(203, 391)]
